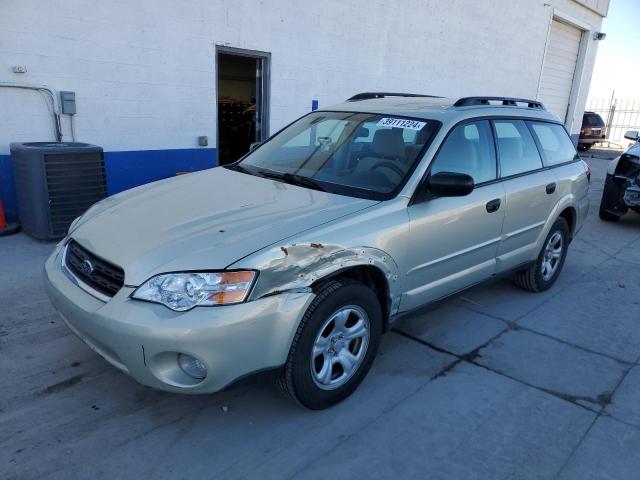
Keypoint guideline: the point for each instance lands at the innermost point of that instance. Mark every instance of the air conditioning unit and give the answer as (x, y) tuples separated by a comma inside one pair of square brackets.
[(56, 182)]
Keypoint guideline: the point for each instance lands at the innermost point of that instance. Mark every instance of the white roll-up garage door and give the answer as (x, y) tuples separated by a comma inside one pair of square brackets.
[(559, 68)]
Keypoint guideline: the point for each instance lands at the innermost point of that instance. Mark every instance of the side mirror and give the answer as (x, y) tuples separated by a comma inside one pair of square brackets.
[(632, 135), (254, 145), (450, 184)]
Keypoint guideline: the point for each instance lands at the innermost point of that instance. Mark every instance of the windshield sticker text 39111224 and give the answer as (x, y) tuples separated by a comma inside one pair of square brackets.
[(401, 123)]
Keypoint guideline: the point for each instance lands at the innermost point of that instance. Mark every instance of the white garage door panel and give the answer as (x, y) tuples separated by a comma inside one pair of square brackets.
[(559, 67)]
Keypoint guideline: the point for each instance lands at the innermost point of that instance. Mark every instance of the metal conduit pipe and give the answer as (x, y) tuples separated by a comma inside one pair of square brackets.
[(52, 95)]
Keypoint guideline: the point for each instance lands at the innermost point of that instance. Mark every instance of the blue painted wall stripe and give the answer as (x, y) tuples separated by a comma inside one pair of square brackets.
[(126, 169), (8, 189), (129, 169)]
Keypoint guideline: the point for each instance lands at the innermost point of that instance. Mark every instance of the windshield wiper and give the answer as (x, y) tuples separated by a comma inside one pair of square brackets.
[(294, 179), (239, 168)]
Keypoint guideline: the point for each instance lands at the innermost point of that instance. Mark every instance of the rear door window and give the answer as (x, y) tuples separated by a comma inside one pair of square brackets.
[(554, 142), (517, 151)]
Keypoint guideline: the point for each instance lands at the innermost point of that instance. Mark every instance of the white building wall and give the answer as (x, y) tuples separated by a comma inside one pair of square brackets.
[(144, 71)]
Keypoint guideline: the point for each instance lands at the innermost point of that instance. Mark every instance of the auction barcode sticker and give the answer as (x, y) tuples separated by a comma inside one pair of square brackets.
[(401, 123)]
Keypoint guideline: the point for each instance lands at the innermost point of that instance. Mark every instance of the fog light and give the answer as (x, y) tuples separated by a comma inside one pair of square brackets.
[(192, 366)]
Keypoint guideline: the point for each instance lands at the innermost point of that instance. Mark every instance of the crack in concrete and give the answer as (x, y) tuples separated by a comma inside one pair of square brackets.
[(513, 324), (600, 413), (578, 347), (347, 437), (619, 420), (602, 400), (577, 446), (465, 357)]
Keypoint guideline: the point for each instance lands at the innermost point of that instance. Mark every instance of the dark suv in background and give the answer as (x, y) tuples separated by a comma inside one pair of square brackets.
[(592, 130)]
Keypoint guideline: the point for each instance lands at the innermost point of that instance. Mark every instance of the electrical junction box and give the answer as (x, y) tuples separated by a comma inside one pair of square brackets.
[(68, 102)]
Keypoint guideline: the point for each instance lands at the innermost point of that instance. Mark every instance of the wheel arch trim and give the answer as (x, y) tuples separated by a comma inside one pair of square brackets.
[(565, 204)]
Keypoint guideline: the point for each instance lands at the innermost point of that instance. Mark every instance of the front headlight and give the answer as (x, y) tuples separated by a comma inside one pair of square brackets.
[(183, 291)]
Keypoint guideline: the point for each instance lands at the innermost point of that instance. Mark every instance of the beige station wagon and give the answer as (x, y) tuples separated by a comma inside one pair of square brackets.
[(296, 258)]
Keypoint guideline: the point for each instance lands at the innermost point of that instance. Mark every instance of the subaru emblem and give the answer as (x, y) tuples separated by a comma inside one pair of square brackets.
[(87, 267)]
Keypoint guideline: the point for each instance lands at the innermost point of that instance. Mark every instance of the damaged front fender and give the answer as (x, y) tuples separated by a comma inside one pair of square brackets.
[(296, 267)]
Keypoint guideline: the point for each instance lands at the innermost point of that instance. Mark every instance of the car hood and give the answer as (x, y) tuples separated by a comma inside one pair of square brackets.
[(202, 221)]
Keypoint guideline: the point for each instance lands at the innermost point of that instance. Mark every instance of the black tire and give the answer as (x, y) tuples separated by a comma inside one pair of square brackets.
[(606, 216), (296, 379), (532, 278)]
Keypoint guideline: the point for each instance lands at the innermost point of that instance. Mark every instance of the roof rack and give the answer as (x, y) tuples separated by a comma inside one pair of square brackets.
[(512, 102), (372, 95)]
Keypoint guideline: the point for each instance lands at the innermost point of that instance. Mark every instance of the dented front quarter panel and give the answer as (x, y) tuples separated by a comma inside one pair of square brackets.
[(376, 237)]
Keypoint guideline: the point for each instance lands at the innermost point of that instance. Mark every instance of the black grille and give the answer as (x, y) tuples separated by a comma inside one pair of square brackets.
[(103, 276)]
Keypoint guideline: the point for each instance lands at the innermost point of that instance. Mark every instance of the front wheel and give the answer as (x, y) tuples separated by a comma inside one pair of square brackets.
[(544, 272), (334, 346)]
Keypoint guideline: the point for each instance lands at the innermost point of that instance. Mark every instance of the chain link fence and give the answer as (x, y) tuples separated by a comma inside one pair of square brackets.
[(619, 115)]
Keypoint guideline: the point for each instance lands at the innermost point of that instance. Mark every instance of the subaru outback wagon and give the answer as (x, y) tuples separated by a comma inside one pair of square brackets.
[(296, 258)]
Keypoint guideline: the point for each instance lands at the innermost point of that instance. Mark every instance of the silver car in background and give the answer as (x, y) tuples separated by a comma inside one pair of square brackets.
[(296, 258)]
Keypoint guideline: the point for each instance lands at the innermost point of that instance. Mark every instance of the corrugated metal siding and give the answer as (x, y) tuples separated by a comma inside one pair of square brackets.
[(559, 67)]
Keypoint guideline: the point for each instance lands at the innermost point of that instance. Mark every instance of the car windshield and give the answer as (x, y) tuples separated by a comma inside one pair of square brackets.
[(358, 154)]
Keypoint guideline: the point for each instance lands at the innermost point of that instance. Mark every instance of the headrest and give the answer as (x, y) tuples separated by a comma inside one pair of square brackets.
[(388, 143)]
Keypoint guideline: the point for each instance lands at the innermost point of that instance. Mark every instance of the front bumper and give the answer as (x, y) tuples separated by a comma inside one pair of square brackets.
[(143, 339)]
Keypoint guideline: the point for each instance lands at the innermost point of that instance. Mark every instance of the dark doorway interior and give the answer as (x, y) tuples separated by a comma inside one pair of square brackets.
[(238, 77)]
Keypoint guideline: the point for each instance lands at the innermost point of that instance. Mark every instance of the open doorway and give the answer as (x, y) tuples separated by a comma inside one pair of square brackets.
[(242, 79)]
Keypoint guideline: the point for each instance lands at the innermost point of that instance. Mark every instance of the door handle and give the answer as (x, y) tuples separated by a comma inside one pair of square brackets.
[(551, 188), (493, 205)]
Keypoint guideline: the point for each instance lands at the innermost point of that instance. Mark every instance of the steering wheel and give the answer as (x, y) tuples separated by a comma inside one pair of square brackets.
[(391, 166)]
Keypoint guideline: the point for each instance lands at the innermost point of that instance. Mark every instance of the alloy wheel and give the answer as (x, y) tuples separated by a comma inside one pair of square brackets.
[(552, 256), (340, 347)]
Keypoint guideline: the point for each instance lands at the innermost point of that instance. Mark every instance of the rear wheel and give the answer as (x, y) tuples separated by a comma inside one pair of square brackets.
[(334, 346), (544, 272)]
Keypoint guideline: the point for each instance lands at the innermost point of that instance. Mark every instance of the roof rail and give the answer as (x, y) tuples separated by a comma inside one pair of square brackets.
[(512, 102), (371, 95)]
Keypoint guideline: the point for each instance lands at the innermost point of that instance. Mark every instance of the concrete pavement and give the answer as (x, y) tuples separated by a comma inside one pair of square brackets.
[(493, 383)]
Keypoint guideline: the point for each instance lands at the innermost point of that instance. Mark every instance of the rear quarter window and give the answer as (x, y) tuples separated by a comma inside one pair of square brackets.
[(554, 142)]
